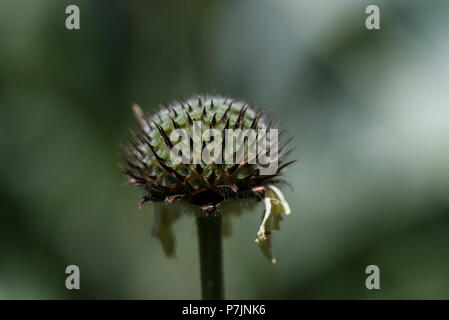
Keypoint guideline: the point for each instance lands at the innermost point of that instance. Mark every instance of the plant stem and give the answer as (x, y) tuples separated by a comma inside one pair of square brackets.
[(209, 235)]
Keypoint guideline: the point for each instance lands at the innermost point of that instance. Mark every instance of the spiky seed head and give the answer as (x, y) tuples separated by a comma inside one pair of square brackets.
[(149, 164)]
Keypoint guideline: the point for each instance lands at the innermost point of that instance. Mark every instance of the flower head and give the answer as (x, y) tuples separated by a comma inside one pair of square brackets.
[(205, 151)]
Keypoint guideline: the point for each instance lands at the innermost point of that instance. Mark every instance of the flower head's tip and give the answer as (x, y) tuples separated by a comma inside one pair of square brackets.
[(127, 182), (137, 110), (141, 202), (138, 113)]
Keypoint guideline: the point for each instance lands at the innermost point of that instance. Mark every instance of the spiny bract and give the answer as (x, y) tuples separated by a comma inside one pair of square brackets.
[(149, 165)]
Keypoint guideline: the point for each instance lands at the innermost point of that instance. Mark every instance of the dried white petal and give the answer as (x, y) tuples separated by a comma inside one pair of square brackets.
[(275, 204), (281, 198)]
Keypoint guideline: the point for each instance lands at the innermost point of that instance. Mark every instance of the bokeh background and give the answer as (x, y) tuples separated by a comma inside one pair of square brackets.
[(368, 109)]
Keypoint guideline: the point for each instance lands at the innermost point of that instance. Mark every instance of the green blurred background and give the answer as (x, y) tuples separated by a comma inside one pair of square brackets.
[(368, 109)]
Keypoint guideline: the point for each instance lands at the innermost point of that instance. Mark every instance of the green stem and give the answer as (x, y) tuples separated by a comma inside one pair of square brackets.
[(209, 234)]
